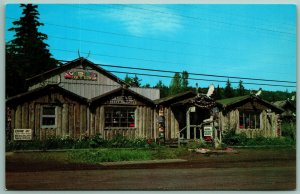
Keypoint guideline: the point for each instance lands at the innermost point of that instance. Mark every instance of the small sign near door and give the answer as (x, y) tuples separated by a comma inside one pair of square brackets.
[(208, 131)]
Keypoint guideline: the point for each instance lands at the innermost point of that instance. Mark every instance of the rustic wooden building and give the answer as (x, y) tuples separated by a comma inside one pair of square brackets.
[(80, 99), (186, 114), (48, 111), (250, 114), (123, 112)]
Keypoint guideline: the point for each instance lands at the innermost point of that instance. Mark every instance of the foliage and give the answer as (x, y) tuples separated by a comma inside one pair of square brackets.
[(109, 155), (96, 141), (241, 89), (231, 138), (175, 86), (289, 130), (198, 144), (162, 88), (228, 91), (27, 54), (133, 81), (184, 81)]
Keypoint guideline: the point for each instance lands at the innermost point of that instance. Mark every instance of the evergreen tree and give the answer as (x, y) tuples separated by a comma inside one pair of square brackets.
[(133, 81), (217, 93), (228, 92), (162, 88), (184, 81), (175, 86), (241, 89), (27, 54)]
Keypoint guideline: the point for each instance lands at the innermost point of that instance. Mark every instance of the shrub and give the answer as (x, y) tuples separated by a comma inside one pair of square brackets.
[(108, 155), (289, 130), (198, 144), (230, 137)]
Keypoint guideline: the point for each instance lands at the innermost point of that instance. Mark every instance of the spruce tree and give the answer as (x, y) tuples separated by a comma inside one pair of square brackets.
[(241, 89), (228, 91), (27, 54)]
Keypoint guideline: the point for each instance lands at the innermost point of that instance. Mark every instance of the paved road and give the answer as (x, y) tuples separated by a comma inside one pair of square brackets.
[(263, 175)]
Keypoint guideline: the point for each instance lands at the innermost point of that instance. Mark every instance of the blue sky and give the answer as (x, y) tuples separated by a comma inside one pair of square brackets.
[(256, 41)]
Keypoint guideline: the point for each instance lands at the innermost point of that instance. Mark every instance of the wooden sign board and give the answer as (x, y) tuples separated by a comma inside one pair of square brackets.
[(126, 100), (208, 131), (22, 134)]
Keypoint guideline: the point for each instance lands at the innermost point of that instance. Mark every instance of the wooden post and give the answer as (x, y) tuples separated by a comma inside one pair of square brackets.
[(188, 127)]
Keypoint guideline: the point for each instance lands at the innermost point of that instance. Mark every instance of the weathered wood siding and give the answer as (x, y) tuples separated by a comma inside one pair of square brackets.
[(70, 116), (268, 124), (144, 124), (85, 88), (90, 89), (171, 124)]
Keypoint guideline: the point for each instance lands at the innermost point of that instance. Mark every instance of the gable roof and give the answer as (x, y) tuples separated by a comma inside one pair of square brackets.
[(228, 103), (50, 88), (175, 98), (69, 65), (119, 90)]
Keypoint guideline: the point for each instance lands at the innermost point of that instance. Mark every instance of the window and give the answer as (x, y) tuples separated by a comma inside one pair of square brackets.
[(249, 120), (119, 117), (48, 117)]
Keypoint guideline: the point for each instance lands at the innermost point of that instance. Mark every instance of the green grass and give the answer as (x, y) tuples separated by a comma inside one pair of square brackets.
[(93, 156)]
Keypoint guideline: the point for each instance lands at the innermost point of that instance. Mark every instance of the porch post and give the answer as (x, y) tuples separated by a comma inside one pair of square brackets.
[(188, 127)]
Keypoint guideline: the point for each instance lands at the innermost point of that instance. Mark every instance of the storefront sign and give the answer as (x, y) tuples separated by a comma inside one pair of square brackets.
[(22, 134), (128, 100), (81, 75)]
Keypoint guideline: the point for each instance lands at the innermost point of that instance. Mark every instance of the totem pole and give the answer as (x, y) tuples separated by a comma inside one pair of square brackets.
[(161, 125)]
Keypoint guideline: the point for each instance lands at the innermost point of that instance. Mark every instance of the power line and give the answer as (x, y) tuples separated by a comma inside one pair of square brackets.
[(138, 48), (147, 38), (154, 75), (197, 74), (128, 58)]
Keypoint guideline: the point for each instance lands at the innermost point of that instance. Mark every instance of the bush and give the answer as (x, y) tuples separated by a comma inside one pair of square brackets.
[(289, 130), (231, 138), (198, 144)]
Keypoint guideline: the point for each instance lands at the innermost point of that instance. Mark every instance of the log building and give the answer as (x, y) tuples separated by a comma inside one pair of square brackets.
[(81, 99)]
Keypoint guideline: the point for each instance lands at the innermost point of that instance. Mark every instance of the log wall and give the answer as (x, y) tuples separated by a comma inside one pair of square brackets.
[(70, 119)]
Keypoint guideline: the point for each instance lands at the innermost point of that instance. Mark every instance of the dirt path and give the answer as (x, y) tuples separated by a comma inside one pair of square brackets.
[(254, 178), (258, 170)]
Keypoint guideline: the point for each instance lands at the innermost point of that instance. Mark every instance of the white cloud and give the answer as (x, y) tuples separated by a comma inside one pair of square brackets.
[(139, 21)]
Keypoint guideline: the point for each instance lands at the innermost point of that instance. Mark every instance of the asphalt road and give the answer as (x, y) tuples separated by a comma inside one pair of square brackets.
[(191, 175)]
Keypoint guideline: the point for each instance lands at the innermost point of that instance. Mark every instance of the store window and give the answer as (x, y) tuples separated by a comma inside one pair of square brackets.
[(48, 117), (249, 120), (119, 117)]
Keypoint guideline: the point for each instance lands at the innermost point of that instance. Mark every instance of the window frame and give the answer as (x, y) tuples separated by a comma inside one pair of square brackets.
[(253, 117), (112, 111), (49, 116)]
